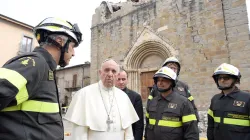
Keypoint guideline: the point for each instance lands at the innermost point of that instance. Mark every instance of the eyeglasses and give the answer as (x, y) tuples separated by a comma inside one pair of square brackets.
[(225, 78), (173, 68)]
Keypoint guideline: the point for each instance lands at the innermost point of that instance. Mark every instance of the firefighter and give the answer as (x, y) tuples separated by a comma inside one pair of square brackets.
[(170, 116), (228, 114), (181, 87), (29, 100)]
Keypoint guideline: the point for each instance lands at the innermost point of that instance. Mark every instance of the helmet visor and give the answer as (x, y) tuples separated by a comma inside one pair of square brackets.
[(77, 32)]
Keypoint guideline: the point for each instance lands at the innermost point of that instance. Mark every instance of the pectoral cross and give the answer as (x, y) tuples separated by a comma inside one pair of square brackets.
[(109, 121)]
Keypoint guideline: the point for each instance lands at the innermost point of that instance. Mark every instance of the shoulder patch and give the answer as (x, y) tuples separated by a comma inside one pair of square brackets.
[(180, 88), (27, 60), (50, 75)]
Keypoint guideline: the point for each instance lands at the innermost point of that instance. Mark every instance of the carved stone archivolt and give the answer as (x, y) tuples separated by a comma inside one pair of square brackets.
[(147, 44)]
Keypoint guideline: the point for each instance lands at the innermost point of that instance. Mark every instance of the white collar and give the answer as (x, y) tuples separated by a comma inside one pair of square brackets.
[(103, 87)]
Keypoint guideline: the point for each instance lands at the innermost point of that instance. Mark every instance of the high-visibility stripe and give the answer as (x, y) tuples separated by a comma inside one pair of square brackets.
[(188, 118), (236, 122), (191, 98), (166, 123), (35, 106), (217, 119), (18, 81), (54, 27), (152, 121), (65, 22), (229, 120), (150, 97), (169, 123), (210, 112), (147, 115)]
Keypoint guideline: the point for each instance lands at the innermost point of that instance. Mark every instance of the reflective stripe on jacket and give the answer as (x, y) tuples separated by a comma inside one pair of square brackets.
[(171, 118), (228, 116), (29, 101)]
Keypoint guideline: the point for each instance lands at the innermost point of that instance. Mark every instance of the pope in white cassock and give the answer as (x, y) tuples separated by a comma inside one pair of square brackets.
[(101, 111)]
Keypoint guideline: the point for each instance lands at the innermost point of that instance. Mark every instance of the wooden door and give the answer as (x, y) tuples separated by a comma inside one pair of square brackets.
[(147, 82)]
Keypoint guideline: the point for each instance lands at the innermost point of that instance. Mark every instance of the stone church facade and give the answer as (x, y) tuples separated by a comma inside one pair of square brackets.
[(202, 34)]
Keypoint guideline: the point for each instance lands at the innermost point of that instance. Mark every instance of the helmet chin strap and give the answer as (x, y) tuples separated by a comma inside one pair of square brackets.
[(164, 90), (226, 88), (63, 49)]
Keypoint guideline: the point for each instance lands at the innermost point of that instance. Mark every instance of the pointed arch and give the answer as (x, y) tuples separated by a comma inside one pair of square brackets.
[(147, 44)]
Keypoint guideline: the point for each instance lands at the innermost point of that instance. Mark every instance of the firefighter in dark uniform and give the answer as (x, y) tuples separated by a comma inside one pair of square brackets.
[(181, 87), (29, 100), (228, 115), (170, 116)]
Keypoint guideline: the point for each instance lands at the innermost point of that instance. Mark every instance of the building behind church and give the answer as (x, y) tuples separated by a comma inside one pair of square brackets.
[(16, 38), (71, 79)]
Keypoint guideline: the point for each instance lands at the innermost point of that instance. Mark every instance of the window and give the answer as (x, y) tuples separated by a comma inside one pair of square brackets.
[(74, 80), (26, 44)]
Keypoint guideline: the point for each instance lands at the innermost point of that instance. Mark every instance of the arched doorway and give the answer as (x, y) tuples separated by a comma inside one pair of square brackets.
[(146, 76), (144, 58), (141, 65)]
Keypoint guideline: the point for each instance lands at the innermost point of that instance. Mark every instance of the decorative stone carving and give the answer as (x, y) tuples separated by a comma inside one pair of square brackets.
[(148, 43)]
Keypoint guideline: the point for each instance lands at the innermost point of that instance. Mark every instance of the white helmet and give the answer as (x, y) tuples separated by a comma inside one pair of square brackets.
[(228, 70), (172, 60), (166, 72), (57, 26)]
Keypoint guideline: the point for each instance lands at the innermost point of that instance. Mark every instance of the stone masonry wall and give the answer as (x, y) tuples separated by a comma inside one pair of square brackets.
[(205, 33)]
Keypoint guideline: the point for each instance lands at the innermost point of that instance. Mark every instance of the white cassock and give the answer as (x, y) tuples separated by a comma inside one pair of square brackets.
[(89, 111)]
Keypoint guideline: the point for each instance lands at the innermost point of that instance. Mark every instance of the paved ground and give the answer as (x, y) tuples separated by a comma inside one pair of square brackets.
[(68, 129)]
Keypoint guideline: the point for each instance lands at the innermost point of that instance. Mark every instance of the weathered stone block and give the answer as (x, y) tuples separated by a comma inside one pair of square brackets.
[(195, 32), (238, 3)]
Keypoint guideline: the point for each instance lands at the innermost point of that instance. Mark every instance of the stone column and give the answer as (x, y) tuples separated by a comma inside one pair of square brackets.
[(133, 80)]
